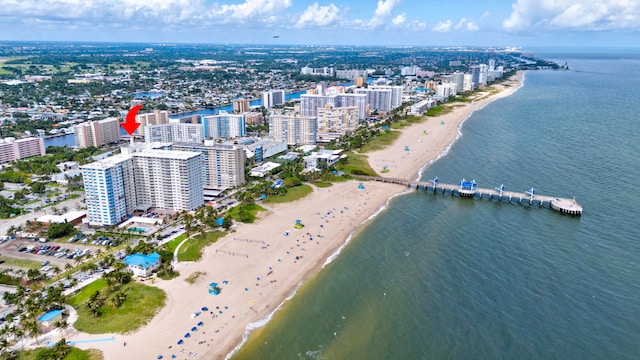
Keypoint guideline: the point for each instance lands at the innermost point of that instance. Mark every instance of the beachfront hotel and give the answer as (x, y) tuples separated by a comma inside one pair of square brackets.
[(222, 164), (310, 103), (97, 133), (382, 97), (174, 132), (293, 128), (337, 120), (117, 186), (224, 125), (12, 149), (168, 180), (109, 190)]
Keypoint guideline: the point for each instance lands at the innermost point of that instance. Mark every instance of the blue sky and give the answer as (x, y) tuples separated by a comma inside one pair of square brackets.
[(339, 22)]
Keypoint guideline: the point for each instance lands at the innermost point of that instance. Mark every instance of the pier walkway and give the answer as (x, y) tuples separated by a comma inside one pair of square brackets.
[(470, 189)]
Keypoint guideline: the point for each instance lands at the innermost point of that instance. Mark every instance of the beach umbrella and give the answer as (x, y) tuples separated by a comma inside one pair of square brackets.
[(187, 335), (180, 342), (173, 356), (204, 308), (194, 329), (159, 356), (200, 323)]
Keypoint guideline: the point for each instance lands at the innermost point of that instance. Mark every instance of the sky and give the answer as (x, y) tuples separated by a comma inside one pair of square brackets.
[(354, 22)]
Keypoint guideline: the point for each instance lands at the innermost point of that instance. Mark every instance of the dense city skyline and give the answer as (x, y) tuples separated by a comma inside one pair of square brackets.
[(388, 22)]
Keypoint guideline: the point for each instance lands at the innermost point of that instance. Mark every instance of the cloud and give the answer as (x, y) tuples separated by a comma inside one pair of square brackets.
[(319, 15), (485, 15), (467, 25), (399, 20), (416, 25), (383, 11), (585, 15), (110, 13), (443, 26)]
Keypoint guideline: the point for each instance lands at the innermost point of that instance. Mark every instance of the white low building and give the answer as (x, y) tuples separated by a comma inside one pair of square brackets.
[(323, 159), (142, 265), (264, 169)]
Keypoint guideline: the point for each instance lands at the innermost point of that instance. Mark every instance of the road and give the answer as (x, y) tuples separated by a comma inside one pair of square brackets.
[(5, 224)]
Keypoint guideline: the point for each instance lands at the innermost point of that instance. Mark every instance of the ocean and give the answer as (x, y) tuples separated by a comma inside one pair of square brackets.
[(441, 277)]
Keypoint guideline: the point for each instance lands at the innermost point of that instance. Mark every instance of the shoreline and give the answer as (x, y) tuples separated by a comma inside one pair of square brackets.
[(261, 251)]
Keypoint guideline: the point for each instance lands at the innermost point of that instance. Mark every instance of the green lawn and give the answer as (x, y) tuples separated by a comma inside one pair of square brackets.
[(439, 110), (86, 292), (22, 263), (75, 354), (356, 164), (141, 304), (173, 244), (192, 249), (293, 194), (381, 140)]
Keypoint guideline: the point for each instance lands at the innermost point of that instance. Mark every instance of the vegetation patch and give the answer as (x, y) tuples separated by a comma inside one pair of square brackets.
[(60, 351), (355, 164), (245, 213), (191, 279), (380, 141), (322, 184), (292, 194), (173, 244), (139, 304), (21, 263), (192, 249), (86, 292), (438, 110)]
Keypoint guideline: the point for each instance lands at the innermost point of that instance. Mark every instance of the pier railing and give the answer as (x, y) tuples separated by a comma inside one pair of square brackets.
[(563, 205)]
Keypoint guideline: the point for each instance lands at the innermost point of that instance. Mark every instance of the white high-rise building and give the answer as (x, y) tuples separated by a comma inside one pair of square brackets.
[(12, 149), (109, 188), (309, 103), (117, 186), (222, 165), (337, 120), (351, 74), (293, 128), (177, 132), (382, 97), (224, 125), (457, 78), (167, 179), (272, 98)]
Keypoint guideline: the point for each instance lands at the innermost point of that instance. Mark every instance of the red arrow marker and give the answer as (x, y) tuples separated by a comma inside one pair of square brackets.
[(131, 125)]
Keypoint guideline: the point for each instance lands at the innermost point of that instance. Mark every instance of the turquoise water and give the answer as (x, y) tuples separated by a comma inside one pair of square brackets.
[(436, 277)]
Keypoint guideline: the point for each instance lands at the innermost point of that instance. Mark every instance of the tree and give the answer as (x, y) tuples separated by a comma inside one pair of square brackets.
[(58, 230), (38, 187)]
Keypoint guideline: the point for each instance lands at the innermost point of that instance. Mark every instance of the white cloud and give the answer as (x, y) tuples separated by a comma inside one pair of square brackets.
[(574, 14), (399, 20), (383, 12), (417, 25), (485, 15), (467, 25), (250, 9), (319, 15), (443, 26), (152, 12)]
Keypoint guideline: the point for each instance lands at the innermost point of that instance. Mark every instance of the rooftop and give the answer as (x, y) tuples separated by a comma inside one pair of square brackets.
[(142, 260)]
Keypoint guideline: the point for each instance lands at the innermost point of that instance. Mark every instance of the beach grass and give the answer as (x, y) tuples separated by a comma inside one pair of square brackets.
[(192, 249), (141, 304), (74, 354), (249, 212), (322, 184), (439, 110), (191, 279), (380, 141), (292, 194), (356, 164)]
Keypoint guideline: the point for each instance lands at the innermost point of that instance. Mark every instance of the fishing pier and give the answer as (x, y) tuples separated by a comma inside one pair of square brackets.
[(471, 190)]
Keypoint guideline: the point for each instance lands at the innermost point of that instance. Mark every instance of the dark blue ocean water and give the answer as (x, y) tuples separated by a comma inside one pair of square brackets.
[(435, 277)]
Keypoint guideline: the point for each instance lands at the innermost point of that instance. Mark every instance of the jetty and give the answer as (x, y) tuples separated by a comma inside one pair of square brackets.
[(471, 190)]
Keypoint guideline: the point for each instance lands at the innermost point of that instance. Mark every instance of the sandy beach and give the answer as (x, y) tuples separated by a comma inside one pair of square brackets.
[(259, 265)]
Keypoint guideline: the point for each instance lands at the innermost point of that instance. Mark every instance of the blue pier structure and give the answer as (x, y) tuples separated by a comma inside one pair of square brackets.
[(470, 189)]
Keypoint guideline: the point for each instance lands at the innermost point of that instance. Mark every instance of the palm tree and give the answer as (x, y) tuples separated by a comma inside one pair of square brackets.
[(56, 270)]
